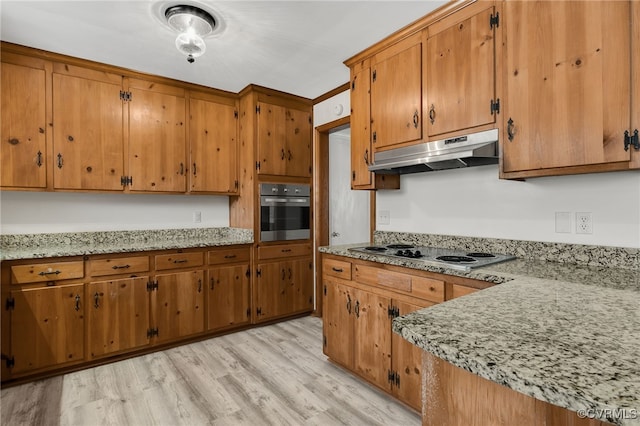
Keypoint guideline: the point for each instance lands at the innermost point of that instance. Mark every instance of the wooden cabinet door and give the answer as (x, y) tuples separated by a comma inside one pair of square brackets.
[(177, 305), (568, 84), (407, 362), (337, 322), (460, 74), (213, 141), (24, 123), (157, 140), (88, 129), (297, 142), (272, 156), (372, 337), (272, 295), (361, 154), (118, 315), (300, 282), (228, 297), (47, 326), (396, 95)]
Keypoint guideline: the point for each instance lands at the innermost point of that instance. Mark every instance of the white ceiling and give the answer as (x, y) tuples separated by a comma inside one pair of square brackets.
[(293, 46)]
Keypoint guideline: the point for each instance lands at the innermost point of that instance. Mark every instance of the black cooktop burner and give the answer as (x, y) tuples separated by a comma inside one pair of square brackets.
[(375, 248), (474, 254), (399, 246), (410, 254), (456, 259)]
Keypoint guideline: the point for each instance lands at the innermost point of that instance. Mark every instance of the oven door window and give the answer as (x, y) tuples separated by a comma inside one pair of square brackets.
[(284, 221)]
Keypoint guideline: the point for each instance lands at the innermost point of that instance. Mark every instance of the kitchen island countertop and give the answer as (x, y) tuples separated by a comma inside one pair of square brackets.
[(565, 334)]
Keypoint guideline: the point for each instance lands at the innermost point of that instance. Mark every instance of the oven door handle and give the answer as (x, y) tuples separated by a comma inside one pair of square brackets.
[(286, 200)]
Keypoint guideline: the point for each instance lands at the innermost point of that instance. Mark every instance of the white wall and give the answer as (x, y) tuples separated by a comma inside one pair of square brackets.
[(474, 202), (43, 212), (331, 109)]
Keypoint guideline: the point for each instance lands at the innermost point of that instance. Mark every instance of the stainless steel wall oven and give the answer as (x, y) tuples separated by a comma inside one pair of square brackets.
[(285, 212)]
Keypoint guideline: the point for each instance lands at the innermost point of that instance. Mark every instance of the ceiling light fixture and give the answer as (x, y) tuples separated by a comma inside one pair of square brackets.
[(192, 24)]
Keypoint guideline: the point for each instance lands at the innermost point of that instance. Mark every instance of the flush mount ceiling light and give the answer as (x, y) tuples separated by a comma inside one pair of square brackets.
[(192, 24)]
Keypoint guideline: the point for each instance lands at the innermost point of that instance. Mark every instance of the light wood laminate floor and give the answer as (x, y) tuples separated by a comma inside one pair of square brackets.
[(272, 375)]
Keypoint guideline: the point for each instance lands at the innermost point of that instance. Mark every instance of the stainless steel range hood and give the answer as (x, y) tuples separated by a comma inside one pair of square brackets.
[(476, 149)]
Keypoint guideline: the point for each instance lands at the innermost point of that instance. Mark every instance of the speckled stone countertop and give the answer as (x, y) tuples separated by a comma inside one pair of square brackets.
[(564, 333), (37, 246)]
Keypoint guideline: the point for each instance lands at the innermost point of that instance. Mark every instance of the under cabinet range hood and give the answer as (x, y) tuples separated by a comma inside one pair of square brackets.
[(476, 149)]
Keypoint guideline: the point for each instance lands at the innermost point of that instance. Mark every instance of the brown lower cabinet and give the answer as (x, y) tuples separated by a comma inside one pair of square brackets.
[(68, 313), (361, 299)]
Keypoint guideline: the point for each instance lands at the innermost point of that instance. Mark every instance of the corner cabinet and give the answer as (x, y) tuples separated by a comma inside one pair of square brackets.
[(360, 301), (569, 87), (25, 119)]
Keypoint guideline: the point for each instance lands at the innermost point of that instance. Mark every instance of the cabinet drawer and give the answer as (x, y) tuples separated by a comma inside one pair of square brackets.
[(122, 265), (178, 260), (288, 250), (44, 272), (229, 255), (427, 288), (336, 268), (382, 278), (461, 290)]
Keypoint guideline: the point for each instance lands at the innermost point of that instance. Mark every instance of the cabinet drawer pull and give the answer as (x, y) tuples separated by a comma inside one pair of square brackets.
[(283, 274), (115, 267), (45, 273), (357, 309), (290, 273), (194, 169), (230, 256), (286, 250), (366, 157), (180, 261), (337, 269), (96, 299), (39, 159), (510, 130), (181, 169), (349, 304), (416, 118), (282, 154), (432, 114), (77, 302), (200, 285), (211, 283)]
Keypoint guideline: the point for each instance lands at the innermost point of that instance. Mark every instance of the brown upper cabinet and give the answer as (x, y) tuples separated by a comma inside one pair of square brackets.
[(88, 144), (25, 117), (284, 140), (75, 125), (213, 144), (396, 94), (460, 89), (568, 87), (157, 137)]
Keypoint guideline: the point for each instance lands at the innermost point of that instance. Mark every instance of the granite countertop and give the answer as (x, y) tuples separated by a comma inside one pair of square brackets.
[(37, 246), (566, 334)]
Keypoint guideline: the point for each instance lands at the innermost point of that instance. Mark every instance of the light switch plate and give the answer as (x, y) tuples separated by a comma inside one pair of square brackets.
[(384, 217)]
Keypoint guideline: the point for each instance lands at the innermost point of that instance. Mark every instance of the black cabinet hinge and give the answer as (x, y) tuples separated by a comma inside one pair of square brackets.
[(324, 340), (393, 312), (126, 96), (257, 109), (325, 289), (374, 76), (11, 304), (248, 273), (495, 106), (248, 312), (10, 362), (632, 140), (235, 114), (152, 332), (152, 285), (258, 272), (257, 165), (353, 84), (494, 20), (126, 180), (375, 137), (393, 378), (235, 184), (258, 311)]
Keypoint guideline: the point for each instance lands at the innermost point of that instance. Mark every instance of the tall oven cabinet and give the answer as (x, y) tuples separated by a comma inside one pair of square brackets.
[(275, 148)]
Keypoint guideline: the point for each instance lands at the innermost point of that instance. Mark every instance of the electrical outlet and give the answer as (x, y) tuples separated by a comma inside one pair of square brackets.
[(384, 217), (197, 217), (584, 224)]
